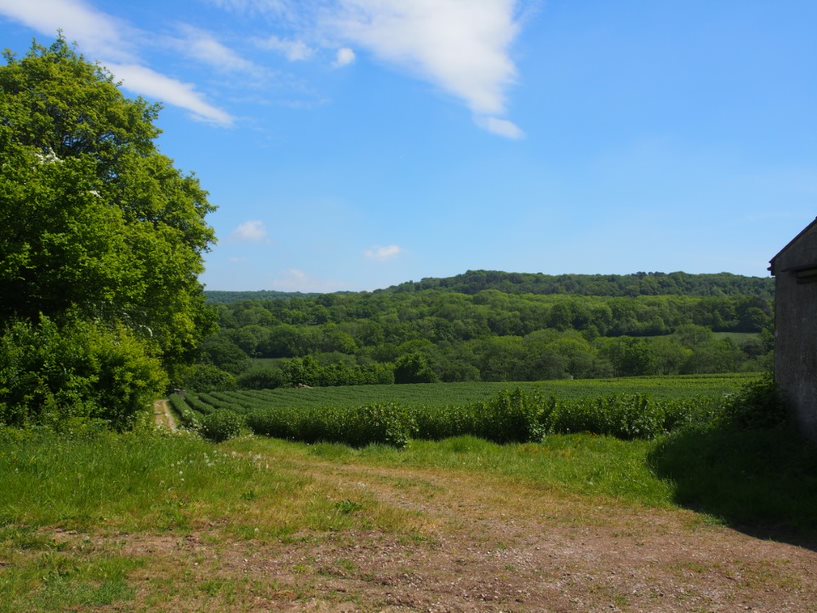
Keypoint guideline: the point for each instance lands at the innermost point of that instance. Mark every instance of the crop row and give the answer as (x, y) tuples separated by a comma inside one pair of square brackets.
[(510, 416), (446, 394)]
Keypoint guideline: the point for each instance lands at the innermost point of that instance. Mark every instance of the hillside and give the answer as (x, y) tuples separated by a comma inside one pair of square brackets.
[(475, 281), (492, 326)]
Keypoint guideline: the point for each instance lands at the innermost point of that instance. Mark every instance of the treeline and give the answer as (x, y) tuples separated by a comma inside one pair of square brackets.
[(637, 284), (434, 335)]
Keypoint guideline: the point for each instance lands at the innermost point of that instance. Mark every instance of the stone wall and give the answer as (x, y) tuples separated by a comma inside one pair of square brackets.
[(795, 270)]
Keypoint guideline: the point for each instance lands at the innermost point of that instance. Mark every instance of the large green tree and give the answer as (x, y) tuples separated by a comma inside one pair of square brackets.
[(95, 223)]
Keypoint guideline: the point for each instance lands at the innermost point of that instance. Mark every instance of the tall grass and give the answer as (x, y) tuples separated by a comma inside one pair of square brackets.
[(128, 480)]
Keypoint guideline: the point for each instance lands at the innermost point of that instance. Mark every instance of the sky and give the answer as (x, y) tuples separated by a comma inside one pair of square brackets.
[(357, 144)]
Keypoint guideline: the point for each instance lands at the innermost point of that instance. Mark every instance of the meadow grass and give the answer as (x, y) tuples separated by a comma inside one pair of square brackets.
[(578, 464), (159, 483)]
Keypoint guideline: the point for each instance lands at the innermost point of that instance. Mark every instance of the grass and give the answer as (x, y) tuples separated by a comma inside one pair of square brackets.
[(573, 465), (45, 576), (159, 483), (69, 505), (763, 481)]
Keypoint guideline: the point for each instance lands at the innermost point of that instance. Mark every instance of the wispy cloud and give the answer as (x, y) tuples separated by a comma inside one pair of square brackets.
[(114, 43), (97, 32), (295, 280), (281, 8), (500, 127), (462, 46), (293, 50), (147, 82), (250, 231), (204, 47), (344, 57), (382, 254)]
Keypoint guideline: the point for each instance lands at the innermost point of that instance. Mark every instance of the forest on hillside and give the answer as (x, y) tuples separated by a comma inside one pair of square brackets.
[(450, 330)]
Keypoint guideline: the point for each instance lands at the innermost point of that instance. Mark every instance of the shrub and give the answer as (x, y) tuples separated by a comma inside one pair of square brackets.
[(51, 373), (758, 404), (387, 423), (204, 378), (510, 417), (261, 377), (220, 426)]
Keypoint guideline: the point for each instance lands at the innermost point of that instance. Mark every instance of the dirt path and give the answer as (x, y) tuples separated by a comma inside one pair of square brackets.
[(164, 416), (491, 545)]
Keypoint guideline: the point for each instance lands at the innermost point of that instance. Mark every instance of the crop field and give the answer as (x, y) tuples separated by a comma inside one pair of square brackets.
[(501, 412), (445, 394)]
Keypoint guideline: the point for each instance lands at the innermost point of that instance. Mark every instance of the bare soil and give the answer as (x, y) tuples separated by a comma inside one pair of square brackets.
[(164, 416)]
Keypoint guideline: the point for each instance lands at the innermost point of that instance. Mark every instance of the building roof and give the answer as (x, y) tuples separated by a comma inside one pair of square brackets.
[(790, 243)]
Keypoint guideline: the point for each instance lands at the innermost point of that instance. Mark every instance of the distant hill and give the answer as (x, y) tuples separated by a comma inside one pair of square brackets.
[(222, 297), (475, 281), (637, 284)]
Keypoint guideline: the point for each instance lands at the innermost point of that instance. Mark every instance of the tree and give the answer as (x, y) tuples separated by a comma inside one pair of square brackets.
[(413, 368), (95, 223)]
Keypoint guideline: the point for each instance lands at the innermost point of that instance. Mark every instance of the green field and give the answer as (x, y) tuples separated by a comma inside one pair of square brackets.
[(643, 407), (444, 394)]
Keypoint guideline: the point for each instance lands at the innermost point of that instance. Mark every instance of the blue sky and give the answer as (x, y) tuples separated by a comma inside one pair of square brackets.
[(355, 144)]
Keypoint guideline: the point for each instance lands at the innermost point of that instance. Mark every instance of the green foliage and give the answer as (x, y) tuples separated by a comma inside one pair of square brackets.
[(219, 426), (413, 368), (94, 221), (187, 416), (689, 388), (387, 424), (758, 404), (50, 374), (504, 335), (521, 415), (261, 377), (201, 377)]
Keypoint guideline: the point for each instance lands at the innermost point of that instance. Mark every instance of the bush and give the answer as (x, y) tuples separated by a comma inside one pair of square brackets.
[(50, 374), (510, 417), (220, 426), (204, 378), (261, 377), (388, 424), (758, 404)]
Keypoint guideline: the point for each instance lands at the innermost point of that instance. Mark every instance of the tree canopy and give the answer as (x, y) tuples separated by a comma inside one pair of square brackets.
[(95, 223), (101, 245)]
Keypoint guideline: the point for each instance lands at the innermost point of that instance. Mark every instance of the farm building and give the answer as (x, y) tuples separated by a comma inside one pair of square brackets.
[(795, 368)]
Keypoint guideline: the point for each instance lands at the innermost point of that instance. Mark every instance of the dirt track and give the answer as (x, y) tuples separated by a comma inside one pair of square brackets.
[(164, 416), (491, 546)]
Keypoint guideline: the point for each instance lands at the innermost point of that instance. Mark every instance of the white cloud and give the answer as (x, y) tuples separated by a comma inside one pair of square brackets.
[(112, 42), (250, 231), (500, 127), (97, 33), (293, 50), (202, 46), (147, 82), (459, 45), (344, 57), (383, 253)]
